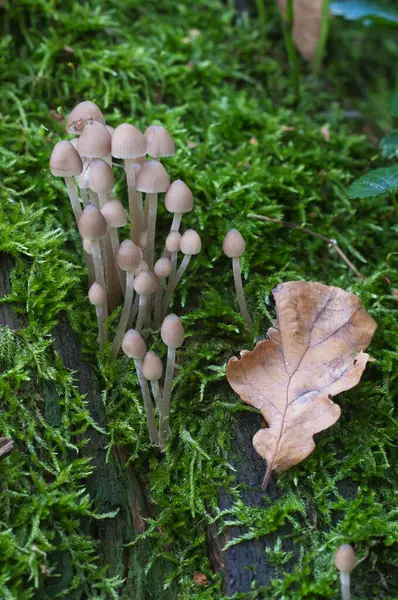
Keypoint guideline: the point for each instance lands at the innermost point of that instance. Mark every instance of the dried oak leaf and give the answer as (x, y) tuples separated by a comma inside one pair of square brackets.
[(306, 25), (314, 351)]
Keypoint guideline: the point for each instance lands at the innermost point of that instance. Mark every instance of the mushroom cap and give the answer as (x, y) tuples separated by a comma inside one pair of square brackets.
[(65, 160), (73, 141), (159, 141), (143, 266), (82, 178), (133, 344), (83, 112), (114, 213), (190, 242), (173, 241), (129, 256), (97, 295), (162, 267), (152, 366), (172, 331), (94, 141), (233, 245), (128, 142), (153, 178), (100, 176), (179, 198), (92, 224), (145, 283), (344, 559), (110, 128), (87, 246)]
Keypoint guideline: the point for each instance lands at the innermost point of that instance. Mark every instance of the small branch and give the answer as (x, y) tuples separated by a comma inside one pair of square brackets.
[(320, 51), (314, 234)]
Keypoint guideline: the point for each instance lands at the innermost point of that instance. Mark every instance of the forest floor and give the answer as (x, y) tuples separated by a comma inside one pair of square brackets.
[(221, 86)]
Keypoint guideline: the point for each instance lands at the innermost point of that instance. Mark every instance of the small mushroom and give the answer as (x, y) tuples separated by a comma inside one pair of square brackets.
[(65, 162), (115, 217), (152, 179), (152, 369), (97, 297), (345, 562), (145, 284), (159, 142), (100, 178), (128, 258), (81, 114), (173, 242), (129, 144), (234, 246), (134, 347), (162, 269), (178, 200), (94, 141)]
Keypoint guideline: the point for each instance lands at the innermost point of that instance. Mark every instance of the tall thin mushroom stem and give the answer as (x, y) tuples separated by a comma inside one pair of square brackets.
[(73, 197), (164, 427), (157, 394), (135, 202), (142, 310), (101, 326), (345, 586), (100, 278), (239, 291), (114, 237), (174, 280), (121, 328), (175, 225), (150, 418), (152, 200)]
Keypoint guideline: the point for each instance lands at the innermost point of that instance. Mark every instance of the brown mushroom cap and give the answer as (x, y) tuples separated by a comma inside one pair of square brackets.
[(65, 161), (153, 178), (128, 142), (152, 366), (83, 112), (100, 176), (173, 241), (133, 344), (190, 242), (179, 198), (162, 267), (97, 295), (344, 559), (129, 256), (145, 283), (172, 331), (92, 224), (159, 141), (114, 213), (94, 141), (233, 245)]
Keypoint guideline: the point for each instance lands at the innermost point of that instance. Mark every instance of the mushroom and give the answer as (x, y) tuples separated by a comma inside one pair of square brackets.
[(234, 246), (162, 269), (94, 141), (115, 217), (143, 266), (81, 114), (128, 258), (345, 562), (159, 142), (134, 347), (178, 200), (173, 242), (100, 178), (152, 369), (97, 297), (65, 162), (129, 144), (152, 179), (145, 284), (190, 245), (172, 334)]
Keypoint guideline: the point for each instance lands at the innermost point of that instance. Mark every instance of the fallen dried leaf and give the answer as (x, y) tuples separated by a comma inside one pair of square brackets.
[(200, 579), (191, 144), (314, 351), (325, 132), (306, 25), (253, 141)]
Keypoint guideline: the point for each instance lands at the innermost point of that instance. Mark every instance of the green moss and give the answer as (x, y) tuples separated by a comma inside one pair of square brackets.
[(229, 94)]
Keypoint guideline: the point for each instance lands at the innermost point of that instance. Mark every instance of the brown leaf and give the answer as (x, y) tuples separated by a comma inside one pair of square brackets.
[(314, 351), (200, 579), (306, 25)]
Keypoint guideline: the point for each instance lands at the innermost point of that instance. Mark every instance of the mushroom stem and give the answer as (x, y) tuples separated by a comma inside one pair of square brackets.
[(345, 586), (173, 260), (239, 292), (156, 393), (114, 237), (100, 278), (135, 202), (158, 305), (133, 312), (84, 195), (102, 199), (146, 209), (175, 226), (150, 418), (142, 309), (164, 427), (174, 280), (93, 198), (152, 199), (121, 328), (101, 331), (73, 197)]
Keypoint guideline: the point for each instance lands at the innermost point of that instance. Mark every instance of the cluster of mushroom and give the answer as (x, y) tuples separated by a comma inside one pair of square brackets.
[(131, 267)]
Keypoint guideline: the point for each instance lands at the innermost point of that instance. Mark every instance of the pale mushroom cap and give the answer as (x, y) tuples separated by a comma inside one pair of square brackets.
[(87, 246), (233, 245), (145, 283), (143, 266), (114, 213), (152, 366), (179, 198), (97, 295), (162, 267), (94, 141), (190, 242), (65, 161), (153, 178), (140, 160), (92, 224), (133, 344), (83, 112), (129, 256), (173, 241), (344, 559), (137, 168), (128, 142), (82, 179), (159, 141), (172, 331), (73, 141), (100, 176)]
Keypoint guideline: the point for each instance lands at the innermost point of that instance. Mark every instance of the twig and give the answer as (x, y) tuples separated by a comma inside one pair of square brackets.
[(314, 234), (317, 62)]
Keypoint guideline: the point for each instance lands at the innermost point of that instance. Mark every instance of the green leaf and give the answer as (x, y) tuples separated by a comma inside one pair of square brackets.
[(389, 144), (394, 104), (395, 227), (374, 183), (367, 11)]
